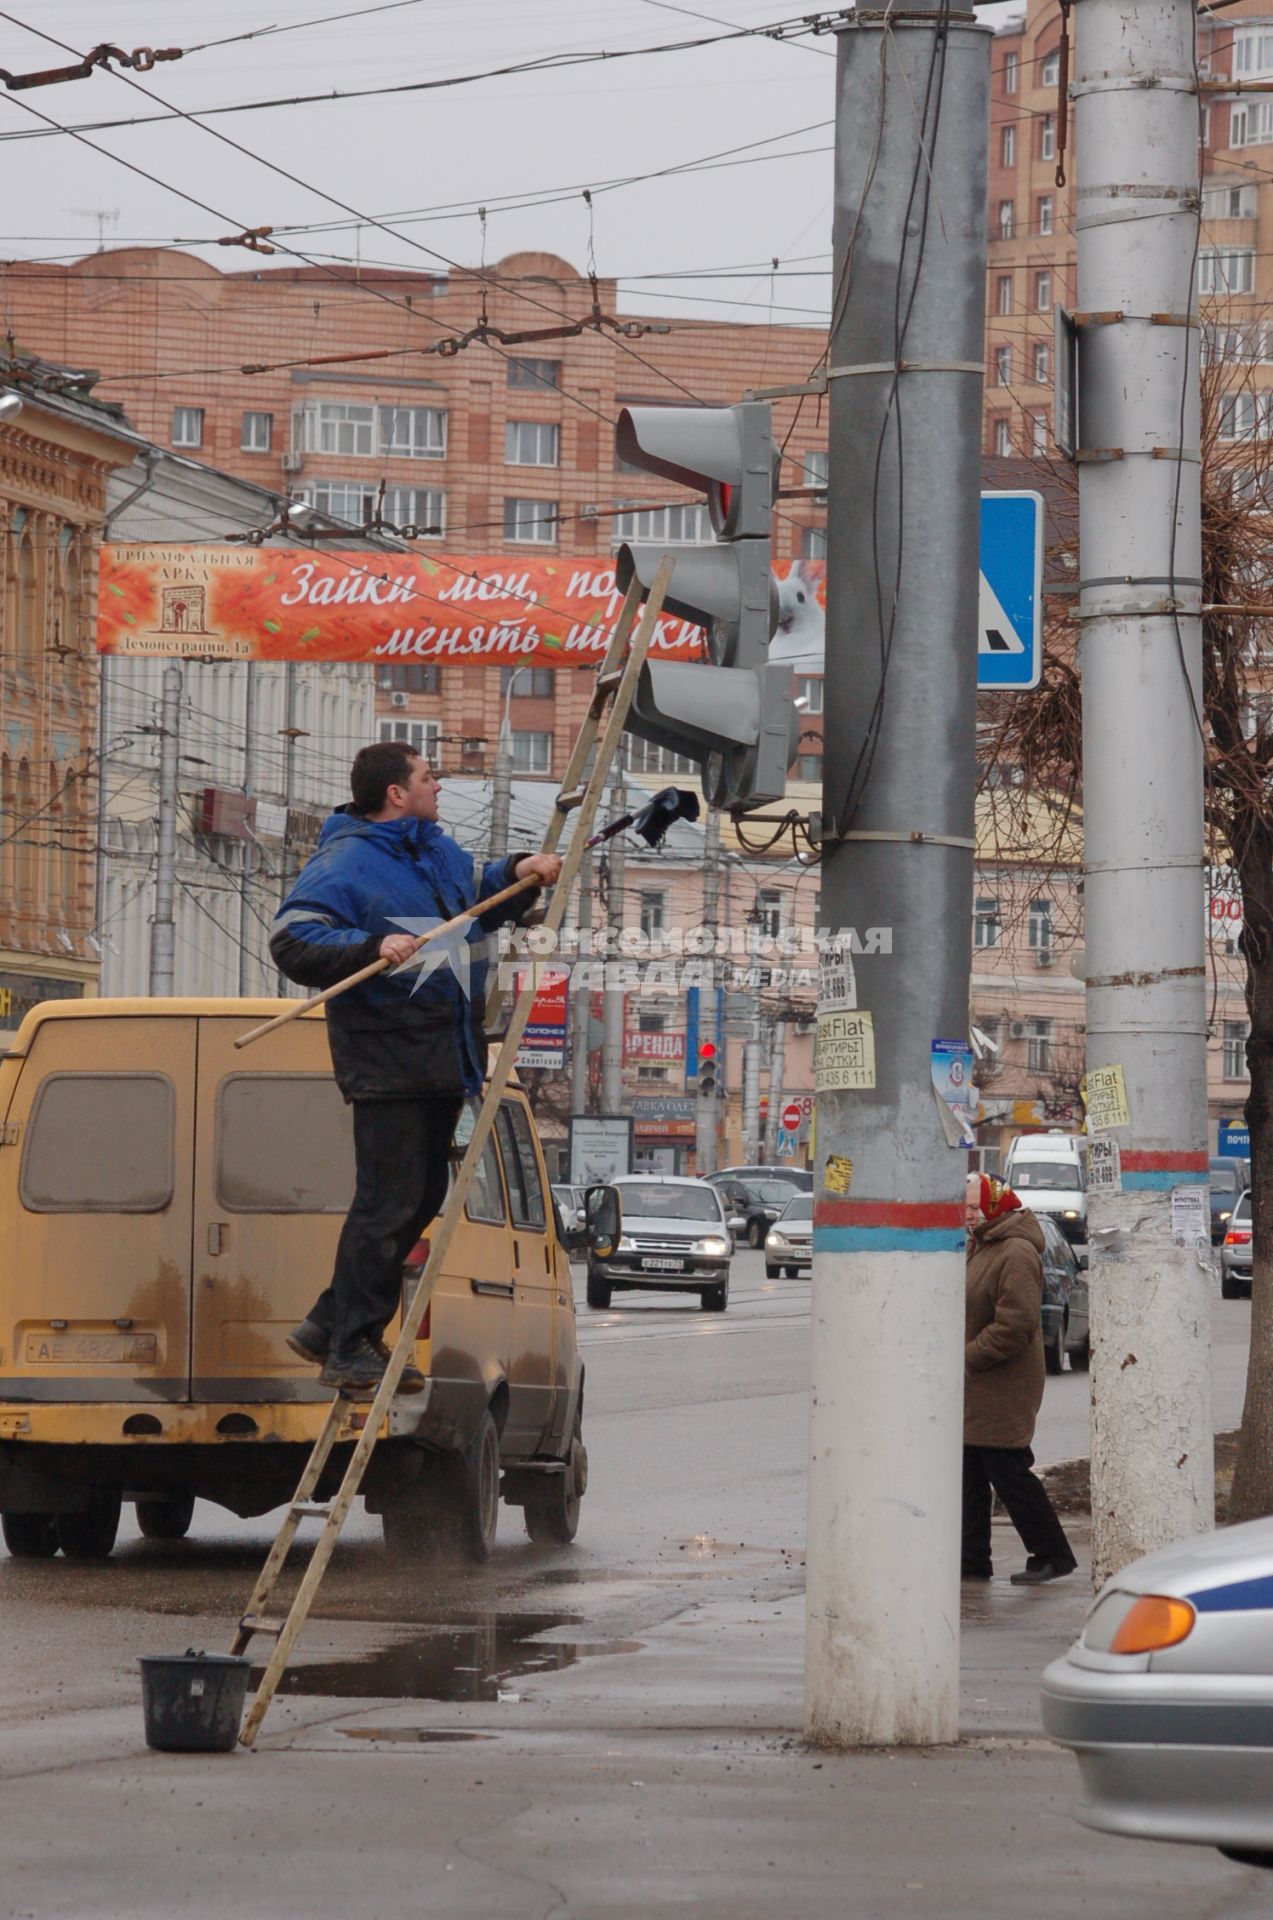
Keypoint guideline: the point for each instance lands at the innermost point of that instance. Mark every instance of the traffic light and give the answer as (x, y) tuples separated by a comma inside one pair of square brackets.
[(734, 715), (707, 1069)]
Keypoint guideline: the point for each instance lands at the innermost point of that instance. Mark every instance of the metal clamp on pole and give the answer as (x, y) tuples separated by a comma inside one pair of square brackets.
[(906, 366), (916, 838)]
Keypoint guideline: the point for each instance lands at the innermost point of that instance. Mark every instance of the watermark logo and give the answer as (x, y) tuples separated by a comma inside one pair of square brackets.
[(452, 951)]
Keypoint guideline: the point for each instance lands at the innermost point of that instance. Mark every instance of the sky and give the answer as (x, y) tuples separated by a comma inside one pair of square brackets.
[(693, 244)]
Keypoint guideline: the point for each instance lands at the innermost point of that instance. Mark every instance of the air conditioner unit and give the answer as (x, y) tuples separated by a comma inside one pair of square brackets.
[(399, 700), (293, 462), (1044, 957), (1016, 1030), (589, 512)]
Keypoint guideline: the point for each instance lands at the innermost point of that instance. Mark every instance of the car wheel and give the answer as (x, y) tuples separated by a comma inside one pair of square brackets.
[(1054, 1351), (1230, 1287), (1081, 1357), (478, 1504), (715, 1299), (166, 1519), (91, 1535), (772, 1272), (598, 1291), (755, 1235), (792, 1273), (29, 1536), (552, 1506)]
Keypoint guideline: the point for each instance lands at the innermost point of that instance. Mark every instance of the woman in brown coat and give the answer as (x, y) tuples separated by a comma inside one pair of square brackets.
[(1003, 1385)]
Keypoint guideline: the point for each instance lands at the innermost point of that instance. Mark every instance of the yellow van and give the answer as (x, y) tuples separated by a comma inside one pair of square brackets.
[(169, 1208)]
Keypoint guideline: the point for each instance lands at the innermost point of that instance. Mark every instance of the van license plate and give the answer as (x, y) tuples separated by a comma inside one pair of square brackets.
[(91, 1349), (664, 1266)]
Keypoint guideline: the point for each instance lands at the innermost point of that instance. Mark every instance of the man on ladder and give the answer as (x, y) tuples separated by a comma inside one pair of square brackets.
[(407, 1047)]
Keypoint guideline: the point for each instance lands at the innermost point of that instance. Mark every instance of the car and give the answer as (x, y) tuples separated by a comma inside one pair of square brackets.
[(570, 1203), (673, 1237), (753, 1206), (1237, 1252), (789, 1242), (1065, 1321), (1166, 1698), (796, 1176), (1228, 1179)]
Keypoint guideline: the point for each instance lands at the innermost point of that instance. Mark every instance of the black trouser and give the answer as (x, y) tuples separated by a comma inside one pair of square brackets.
[(401, 1154), (1006, 1471)]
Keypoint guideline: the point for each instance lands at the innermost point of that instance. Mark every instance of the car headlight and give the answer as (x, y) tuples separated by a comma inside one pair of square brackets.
[(626, 1244), (774, 1239), (713, 1246), (1071, 1213)]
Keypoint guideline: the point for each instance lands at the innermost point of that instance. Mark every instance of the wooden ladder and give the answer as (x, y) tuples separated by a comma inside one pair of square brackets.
[(581, 792)]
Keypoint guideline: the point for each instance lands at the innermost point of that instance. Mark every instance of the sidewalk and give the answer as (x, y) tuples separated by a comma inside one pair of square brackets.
[(666, 1779)]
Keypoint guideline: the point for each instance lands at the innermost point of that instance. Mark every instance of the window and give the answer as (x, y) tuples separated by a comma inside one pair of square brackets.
[(534, 373), (1008, 147), (532, 752), (1042, 364), (187, 426), (1038, 433), (423, 508), (809, 767), (1003, 293), (531, 522), (531, 443), (284, 1144), (1005, 219), (1235, 1038), (257, 432), (1050, 70), (1042, 292), (769, 908), (653, 911), (1002, 437), (1245, 416), (1038, 1046), (813, 543), (1011, 68), (682, 526), (645, 757), (1003, 366), (1251, 123), (422, 736), (1045, 213), (1047, 137), (810, 690), (337, 426), (1228, 203), (1226, 270), (413, 433), (486, 1195), (413, 678), (530, 683), (353, 501), (99, 1143), (985, 921), (1039, 932), (1252, 50), (1204, 131), (816, 468), (521, 1166)]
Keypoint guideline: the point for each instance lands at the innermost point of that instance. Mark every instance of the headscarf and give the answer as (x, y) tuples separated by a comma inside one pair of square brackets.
[(996, 1199)]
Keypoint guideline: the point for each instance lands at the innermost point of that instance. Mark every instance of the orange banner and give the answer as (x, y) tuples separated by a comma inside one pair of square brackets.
[(289, 603)]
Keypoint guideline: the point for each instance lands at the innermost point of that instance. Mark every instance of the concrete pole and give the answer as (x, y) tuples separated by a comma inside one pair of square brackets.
[(162, 929), (907, 346), (247, 944), (752, 1053), (581, 1004), (707, 1117), (777, 1074), (103, 803), (612, 1003), (1136, 144)]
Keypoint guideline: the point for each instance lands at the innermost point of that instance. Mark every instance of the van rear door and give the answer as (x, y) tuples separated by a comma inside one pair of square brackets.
[(97, 1261), (274, 1176)]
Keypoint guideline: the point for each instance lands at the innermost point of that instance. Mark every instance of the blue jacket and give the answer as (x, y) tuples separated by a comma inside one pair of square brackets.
[(398, 1035)]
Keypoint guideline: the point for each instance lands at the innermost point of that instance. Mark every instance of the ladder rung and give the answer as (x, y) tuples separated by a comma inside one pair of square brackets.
[(260, 1623), (310, 1509), (607, 682), (567, 802)]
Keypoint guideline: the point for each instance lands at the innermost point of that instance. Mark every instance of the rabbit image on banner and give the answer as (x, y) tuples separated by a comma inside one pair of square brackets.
[(801, 639)]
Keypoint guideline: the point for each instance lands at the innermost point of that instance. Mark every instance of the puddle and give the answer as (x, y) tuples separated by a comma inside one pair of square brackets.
[(435, 1736), (450, 1662)]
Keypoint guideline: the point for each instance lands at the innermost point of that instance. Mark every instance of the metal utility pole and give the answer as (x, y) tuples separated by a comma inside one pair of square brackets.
[(751, 1090), (247, 945), (1136, 142), (162, 929), (777, 1074), (905, 381), (612, 1004), (103, 803), (707, 1113), (581, 1002)]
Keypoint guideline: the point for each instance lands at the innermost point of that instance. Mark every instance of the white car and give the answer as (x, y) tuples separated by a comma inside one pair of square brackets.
[(673, 1238), (789, 1242), (1166, 1699)]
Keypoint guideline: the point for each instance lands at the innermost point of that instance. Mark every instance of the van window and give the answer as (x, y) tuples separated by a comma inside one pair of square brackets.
[(284, 1144), (485, 1201), (1046, 1176), (99, 1143), (521, 1167)]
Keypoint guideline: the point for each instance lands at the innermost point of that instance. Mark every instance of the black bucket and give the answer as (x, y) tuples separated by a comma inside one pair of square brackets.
[(192, 1702)]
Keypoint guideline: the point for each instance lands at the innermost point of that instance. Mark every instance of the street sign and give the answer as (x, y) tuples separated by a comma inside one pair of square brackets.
[(1234, 1141), (786, 1145), (791, 1117), (1010, 614)]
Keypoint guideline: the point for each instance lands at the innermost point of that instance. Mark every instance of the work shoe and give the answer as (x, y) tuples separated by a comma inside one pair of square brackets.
[(1036, 1571), (310, 1342), (362, 1370)]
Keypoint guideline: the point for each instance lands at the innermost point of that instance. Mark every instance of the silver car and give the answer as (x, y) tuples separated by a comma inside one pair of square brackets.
[(1237, 1252), (674, 1238), (1166, 1699), (789, 1242)]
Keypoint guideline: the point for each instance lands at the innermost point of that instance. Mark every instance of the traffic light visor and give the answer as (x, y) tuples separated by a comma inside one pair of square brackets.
[(727, 453)]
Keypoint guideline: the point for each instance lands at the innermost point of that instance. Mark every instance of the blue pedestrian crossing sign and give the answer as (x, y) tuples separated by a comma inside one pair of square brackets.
[(1010, 614)]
